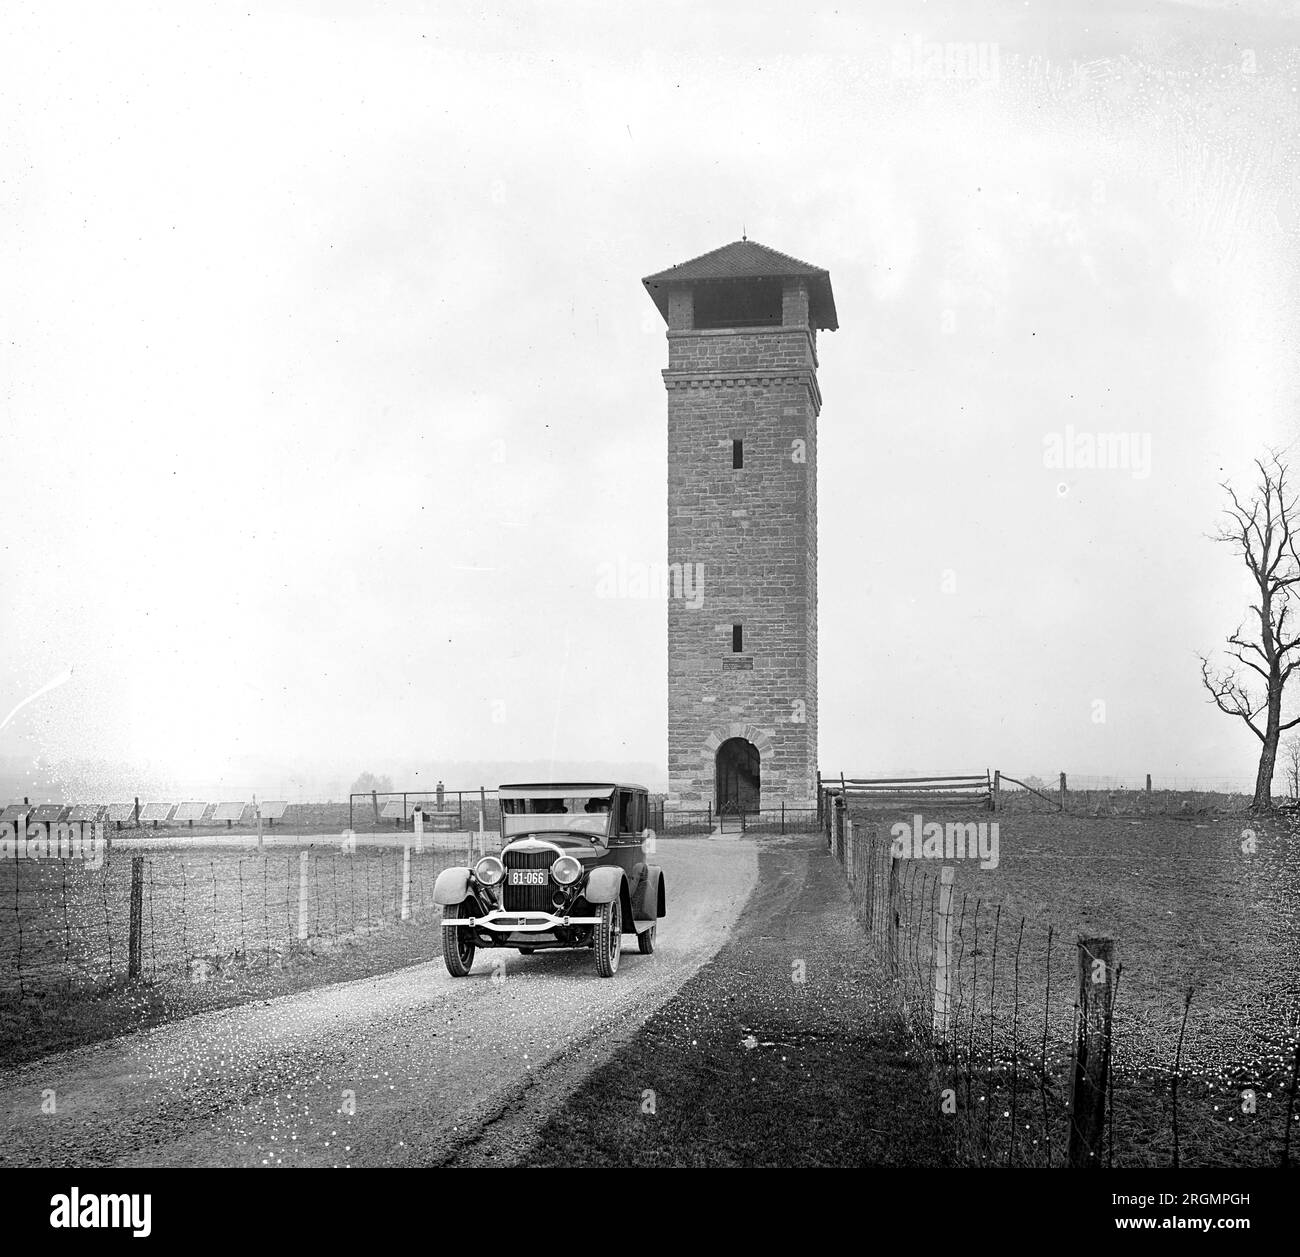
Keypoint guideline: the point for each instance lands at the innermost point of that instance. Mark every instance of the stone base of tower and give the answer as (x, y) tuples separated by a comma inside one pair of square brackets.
[(781, 769)]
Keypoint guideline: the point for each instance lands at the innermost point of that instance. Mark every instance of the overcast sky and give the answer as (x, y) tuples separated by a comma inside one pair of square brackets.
[(328, 385)]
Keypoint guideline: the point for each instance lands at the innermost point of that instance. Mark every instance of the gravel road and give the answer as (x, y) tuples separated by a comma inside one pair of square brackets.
[(405, 1069)]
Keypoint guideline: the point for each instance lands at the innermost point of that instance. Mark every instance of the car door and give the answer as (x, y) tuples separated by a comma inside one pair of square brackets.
[(626, 835)]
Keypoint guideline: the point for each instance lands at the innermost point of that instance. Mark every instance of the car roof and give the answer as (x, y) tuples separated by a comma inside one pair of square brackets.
[(562, 788)]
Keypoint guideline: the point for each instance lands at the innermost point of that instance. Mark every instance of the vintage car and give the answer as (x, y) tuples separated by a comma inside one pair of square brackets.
[(572, 873)]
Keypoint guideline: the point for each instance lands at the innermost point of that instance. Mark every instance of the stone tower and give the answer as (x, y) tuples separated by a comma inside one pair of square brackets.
[(742, 525)]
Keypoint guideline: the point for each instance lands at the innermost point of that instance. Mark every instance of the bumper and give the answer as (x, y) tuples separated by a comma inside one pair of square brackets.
[(501, 922)]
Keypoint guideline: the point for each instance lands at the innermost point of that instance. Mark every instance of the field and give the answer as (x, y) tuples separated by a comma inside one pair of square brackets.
[(220, 922), (1204, 910)]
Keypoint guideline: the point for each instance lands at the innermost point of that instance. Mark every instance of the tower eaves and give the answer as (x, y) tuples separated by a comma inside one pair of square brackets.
[(747, 259)]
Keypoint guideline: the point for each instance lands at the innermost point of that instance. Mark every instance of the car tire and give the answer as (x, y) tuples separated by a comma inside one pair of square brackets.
[(458, 945), (645, 939), (608, 942), (527, 951)]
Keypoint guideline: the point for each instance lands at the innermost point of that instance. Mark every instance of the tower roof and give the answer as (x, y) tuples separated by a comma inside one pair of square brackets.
[(747, 259)]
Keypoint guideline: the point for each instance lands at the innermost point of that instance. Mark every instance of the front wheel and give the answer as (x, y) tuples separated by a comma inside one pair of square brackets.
[(609, 938), (457, 941)]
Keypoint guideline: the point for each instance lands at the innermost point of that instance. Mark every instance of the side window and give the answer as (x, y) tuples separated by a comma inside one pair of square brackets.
[(625, 804)]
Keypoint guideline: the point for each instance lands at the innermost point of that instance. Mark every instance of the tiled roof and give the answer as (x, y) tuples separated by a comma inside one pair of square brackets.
[(747, 259)]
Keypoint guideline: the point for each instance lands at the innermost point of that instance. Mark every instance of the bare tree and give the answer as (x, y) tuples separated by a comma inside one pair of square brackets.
[(1260, 532)]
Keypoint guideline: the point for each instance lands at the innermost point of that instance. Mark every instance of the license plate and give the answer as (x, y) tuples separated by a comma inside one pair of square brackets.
[(527, 877)]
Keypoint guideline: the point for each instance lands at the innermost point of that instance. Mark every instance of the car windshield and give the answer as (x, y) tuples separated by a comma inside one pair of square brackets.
[(579, 814)]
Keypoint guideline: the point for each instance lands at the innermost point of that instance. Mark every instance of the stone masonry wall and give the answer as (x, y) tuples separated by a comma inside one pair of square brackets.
[(754, 532)]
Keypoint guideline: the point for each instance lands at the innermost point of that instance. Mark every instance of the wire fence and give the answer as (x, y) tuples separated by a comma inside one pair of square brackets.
[(1073, 792), (1002, 1007), (1102, 797), (64, 924), (442, 810)]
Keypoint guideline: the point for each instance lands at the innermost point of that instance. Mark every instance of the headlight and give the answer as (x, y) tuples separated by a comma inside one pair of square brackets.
[(489, 871), (566, 870)]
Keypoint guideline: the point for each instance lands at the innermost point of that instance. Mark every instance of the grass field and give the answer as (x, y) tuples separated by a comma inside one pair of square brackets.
[(1205, 904), (219, 924)]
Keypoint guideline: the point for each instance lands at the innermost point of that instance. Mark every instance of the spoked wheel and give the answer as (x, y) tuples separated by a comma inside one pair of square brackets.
[(645, 940), (457, 942), (609, 938)]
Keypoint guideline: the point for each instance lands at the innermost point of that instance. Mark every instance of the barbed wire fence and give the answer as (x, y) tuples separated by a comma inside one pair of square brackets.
[(189, 914), (1035, 1061)]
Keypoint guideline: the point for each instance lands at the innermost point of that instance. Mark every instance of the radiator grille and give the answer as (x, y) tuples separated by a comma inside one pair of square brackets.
[(528, 898)]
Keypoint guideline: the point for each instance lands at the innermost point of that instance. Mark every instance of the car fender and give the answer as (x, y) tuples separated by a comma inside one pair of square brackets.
[(605, 884), (650, 901), (452, 886)]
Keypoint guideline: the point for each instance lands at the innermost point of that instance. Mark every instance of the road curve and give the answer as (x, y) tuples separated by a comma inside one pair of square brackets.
[(402, 1069)]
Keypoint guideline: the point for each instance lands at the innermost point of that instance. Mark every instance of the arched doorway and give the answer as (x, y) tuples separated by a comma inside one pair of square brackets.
[(737, 777)]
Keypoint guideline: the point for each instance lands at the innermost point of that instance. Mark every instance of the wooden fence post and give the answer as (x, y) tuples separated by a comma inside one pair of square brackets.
[(848, 849), (137, 811), (997, 789), (1148, 783), (302, 896), (1091, 1051), (134, 949), (406, 882), (419, 831), (943, 955), (1062, 792), (374, 802)]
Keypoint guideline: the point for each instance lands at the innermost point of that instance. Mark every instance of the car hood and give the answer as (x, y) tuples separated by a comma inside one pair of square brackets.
[(569, 844)]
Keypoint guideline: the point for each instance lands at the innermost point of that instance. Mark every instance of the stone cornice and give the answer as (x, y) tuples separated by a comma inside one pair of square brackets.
[(778, 330), (740, 379)]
